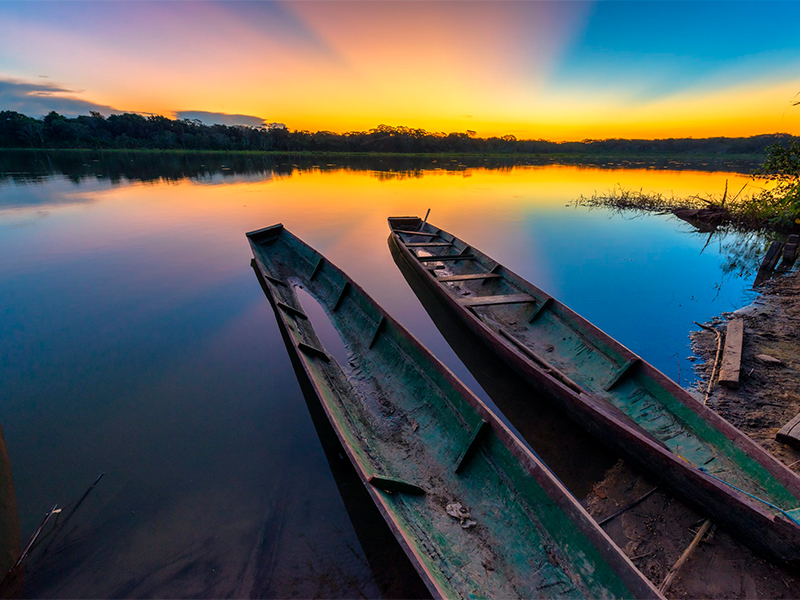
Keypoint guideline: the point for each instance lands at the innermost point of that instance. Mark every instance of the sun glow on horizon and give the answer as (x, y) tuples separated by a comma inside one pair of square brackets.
[(551, 70)]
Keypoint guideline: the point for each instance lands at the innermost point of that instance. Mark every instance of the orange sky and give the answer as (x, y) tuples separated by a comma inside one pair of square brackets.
[(554, 70)]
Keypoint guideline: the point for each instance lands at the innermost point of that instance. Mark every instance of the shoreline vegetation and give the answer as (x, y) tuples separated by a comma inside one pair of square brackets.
[(630, 158), (757, 210), (775, 206), (132, 131), (31, 165)]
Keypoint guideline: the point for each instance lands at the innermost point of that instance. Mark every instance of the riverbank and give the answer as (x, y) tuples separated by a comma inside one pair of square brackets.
[(634, 156), (656, 531), (769, 392)]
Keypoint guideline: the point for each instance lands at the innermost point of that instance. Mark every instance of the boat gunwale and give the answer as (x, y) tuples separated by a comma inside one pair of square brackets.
[(619, 563), (593, 403)]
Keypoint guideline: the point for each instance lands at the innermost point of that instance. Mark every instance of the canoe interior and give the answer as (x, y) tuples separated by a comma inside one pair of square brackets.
[(597, 364), (401, 416)]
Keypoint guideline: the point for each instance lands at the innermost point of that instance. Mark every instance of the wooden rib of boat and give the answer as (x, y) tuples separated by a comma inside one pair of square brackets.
[(612, 393), (473, 508)]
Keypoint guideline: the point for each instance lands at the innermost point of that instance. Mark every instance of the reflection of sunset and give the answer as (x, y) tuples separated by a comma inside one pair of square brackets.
[(570, 70), (325, 205), (524, 216)]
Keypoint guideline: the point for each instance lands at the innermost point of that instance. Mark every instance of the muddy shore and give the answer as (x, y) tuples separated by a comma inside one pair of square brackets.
[(656, 531)]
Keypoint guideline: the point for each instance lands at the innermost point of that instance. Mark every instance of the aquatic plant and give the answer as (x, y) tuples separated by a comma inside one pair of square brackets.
[(773, 207)]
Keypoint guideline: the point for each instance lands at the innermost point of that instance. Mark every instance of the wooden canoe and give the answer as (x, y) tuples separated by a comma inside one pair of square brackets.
[(475, 511), (612, 393)]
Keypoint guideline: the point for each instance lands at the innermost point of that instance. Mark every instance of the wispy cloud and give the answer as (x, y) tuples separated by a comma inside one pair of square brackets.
[(215, 118), (39, 98)]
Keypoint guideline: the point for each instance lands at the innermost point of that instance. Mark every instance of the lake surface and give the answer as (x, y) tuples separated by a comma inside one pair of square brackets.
[(135, 341)]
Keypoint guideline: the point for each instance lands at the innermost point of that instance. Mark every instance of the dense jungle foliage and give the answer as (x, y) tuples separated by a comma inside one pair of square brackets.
[(133, 131)]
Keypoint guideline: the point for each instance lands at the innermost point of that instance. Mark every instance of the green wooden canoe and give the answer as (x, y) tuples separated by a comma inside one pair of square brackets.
[(473, 508), (611, 392)]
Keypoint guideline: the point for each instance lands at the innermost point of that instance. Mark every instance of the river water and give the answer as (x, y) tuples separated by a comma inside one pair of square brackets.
[(135, 341)]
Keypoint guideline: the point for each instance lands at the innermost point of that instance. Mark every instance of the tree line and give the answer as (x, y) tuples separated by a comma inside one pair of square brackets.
[(134, 131)]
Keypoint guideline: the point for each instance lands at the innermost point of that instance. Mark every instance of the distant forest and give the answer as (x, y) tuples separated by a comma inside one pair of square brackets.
[(133, 131)]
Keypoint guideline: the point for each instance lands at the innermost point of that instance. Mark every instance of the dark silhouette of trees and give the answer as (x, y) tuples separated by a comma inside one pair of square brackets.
[(133, 131)]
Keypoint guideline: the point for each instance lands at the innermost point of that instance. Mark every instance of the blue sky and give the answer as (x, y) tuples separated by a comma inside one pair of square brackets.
[(561, 70)]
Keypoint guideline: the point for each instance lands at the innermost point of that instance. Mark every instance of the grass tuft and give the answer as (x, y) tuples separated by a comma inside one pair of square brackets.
[(752, 209)]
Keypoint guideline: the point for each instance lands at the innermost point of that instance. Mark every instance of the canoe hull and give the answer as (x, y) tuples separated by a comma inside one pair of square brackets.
[(774, 536), (498, 442)]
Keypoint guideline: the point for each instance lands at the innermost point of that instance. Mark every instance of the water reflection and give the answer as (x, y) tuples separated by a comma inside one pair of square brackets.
[(135, 341), (36, 166)]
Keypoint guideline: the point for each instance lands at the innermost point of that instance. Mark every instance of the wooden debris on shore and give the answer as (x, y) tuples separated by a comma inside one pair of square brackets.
[(703, 219), (712, 380), (765, 271), (789, 253), (732, 355), (790, 433)]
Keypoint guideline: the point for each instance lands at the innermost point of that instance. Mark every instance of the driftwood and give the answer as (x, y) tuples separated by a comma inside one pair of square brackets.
[(684, 557), (732, 355), (712, 379), (789, 253), (703, 219), (768, 264), (790, 433)]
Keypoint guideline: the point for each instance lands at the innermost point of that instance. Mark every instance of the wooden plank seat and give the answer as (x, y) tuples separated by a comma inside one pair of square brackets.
[(428, 244), (469, 277), (494, 300), (416, 233), (448, 257)]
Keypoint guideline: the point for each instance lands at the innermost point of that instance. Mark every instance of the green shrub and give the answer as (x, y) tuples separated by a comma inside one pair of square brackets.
[(778, 205)]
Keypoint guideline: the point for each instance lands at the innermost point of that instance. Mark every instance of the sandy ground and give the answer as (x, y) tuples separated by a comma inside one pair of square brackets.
[(656, 532)]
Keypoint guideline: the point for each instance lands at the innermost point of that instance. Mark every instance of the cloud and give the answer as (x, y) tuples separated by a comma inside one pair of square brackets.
[(37, 99), (213, 118)]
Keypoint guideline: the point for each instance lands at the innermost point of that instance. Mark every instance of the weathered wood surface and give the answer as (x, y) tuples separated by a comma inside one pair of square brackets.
[(495, 300), (790, 433), (789, 252), (422, 233), (768, 263), (660, 427), (429, 245), (446, 258), (732, 354), (502, 525), (394, 485), (470, 277)]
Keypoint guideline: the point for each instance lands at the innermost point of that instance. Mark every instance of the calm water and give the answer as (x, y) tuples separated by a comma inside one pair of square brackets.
[(135, 341)]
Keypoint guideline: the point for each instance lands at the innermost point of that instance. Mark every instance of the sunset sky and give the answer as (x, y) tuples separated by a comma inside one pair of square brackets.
[(554, 70)]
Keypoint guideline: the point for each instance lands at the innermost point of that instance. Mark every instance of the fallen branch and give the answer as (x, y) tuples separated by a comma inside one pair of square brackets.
[(684, 557), (716, 359), (628, 506)]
